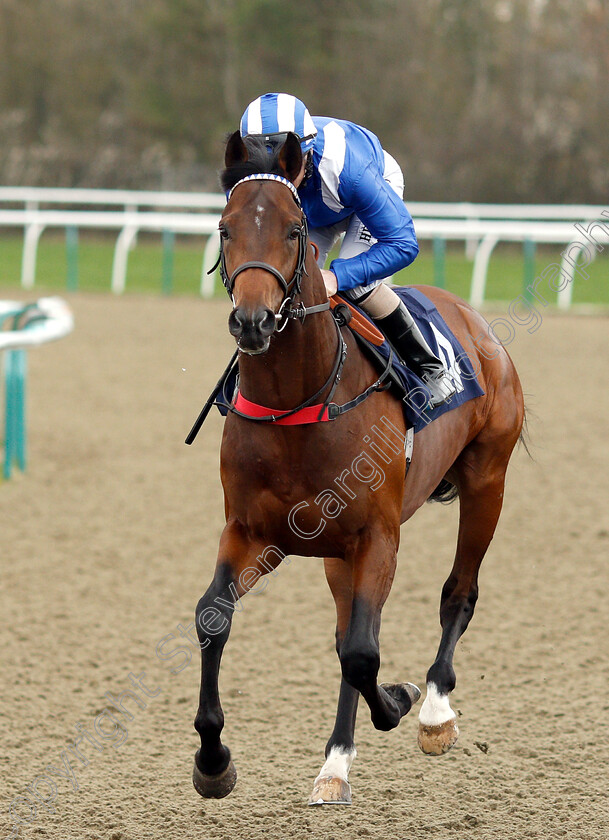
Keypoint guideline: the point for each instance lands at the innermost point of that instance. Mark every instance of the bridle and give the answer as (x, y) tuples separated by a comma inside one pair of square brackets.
[(291, 288), (327, 410)]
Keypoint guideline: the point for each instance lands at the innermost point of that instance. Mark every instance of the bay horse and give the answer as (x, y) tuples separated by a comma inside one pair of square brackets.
[(277, 468)]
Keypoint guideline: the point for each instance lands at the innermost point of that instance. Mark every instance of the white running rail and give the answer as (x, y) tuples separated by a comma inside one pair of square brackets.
[(481, 226), (49, 319)]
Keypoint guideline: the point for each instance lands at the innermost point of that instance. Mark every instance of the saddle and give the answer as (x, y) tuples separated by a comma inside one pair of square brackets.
[(405, 384)]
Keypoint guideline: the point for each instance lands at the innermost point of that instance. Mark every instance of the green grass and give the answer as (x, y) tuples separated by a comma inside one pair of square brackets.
[(94, 264), (145, 268)]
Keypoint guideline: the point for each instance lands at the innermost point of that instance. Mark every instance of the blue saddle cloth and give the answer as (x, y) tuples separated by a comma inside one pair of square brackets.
[(445, 346), (442, 342)]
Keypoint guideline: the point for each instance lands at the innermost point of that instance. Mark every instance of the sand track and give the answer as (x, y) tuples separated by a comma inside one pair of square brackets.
[(110, 538)]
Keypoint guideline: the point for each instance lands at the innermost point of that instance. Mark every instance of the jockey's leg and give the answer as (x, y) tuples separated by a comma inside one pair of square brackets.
[(397, 324)]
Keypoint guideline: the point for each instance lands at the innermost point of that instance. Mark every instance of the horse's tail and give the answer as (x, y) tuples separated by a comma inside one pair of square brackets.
[(525, 438), (445, 492)]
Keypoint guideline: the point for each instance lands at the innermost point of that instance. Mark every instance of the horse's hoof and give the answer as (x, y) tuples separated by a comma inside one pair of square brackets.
[(405, 694), (330, 790), (436, 740), (214, 787)]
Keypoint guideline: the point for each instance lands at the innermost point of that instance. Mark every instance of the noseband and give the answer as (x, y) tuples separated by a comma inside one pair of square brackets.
[(291, 288)]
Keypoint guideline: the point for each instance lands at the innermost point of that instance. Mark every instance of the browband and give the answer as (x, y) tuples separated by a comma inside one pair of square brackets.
[(267, 176)]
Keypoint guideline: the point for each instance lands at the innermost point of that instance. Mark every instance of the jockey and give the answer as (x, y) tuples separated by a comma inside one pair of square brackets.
[(349, 185)]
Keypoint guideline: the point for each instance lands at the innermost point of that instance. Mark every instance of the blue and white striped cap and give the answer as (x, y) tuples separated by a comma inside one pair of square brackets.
[(278, 113)]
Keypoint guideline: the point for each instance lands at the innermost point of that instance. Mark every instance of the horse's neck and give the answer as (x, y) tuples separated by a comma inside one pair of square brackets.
[(299, 359)]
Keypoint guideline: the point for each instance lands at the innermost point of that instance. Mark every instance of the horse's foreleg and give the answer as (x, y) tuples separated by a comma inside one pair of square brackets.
[(214, 773), (374, 564), (480, 499), (237, 570), (332, 784)]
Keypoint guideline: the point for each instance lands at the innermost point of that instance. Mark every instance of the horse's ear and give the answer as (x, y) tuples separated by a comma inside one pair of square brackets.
[(290, 157), (236, 150)]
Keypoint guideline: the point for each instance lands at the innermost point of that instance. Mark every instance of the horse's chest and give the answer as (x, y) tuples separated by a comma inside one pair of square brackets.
[(303, 494), (285, 477)]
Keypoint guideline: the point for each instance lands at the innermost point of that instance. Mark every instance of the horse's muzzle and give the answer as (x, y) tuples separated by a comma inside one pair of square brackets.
[(252, 330)]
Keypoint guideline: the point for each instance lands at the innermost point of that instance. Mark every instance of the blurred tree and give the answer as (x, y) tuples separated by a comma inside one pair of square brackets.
[(496, 100)]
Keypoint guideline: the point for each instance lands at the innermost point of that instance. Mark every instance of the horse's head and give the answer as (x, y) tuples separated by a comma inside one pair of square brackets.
[(263, 236)]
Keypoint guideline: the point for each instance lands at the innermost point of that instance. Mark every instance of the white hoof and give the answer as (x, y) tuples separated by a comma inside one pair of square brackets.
[(438, 730), (332, 787), (330, 790), (436, 740)]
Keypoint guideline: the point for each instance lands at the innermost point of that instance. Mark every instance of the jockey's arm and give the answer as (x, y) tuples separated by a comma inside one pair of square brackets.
[(384, 214)]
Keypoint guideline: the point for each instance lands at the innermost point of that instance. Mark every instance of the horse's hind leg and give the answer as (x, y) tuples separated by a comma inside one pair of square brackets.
[(332, 784), (480, 478)]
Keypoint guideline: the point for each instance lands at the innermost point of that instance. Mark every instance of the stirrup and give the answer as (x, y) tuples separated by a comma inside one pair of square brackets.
[(440, 386)]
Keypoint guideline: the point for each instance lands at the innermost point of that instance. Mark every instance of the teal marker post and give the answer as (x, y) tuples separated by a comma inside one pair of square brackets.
[(528, 250), (15, 374), (168, 255), (71, 258), (439, 262)]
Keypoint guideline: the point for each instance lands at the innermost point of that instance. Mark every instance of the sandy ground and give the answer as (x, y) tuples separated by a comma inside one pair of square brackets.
[(110, 537)]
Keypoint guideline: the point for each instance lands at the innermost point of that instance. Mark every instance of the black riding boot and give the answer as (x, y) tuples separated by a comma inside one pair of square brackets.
[(409, 343)]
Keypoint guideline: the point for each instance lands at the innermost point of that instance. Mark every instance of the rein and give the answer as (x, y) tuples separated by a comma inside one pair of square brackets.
[(308, 411)]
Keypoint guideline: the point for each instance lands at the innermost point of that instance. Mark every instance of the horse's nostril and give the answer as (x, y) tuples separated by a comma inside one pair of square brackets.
[(236, 322), (267, 321)]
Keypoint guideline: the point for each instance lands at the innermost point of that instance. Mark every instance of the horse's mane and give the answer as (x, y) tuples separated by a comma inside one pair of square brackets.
[(260, 161)]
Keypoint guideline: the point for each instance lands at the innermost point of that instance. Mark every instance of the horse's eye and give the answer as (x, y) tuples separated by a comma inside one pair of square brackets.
[(223, 233), (295, 232)]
